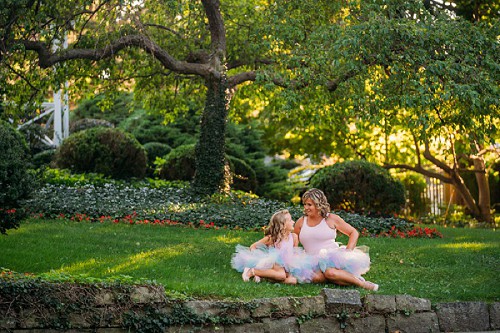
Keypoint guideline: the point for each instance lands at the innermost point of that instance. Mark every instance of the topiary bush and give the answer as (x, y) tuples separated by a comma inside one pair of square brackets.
[(179, 164), (108, 151), (361, 187), (16, 180)]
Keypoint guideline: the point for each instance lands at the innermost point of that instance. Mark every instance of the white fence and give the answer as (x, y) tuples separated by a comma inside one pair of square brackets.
[(435, 195)]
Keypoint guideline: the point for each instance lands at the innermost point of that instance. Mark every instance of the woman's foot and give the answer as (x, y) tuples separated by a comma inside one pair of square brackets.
[(290, 280), (370, 286)]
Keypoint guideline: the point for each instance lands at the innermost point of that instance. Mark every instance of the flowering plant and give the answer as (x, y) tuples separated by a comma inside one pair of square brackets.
[(416, 232), (10, 218)]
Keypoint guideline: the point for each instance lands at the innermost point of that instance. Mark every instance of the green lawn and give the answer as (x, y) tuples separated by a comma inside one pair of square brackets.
[(464, 265)]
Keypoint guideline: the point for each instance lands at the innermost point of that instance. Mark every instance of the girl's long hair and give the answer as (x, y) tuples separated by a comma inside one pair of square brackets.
[(276, 228), (319, 199)]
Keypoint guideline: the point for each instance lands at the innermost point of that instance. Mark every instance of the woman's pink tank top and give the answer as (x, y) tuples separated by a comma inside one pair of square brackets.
[(316, 238)]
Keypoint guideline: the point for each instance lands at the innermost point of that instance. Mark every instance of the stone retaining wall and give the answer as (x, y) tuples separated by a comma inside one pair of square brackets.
[(334, 310)]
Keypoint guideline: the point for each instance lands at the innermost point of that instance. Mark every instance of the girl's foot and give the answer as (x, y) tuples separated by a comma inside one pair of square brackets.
[(246, 274), (370, 286), (290, 280)]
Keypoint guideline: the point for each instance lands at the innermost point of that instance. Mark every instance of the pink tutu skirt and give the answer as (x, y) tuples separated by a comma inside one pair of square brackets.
[(296, 262), (356, 261)]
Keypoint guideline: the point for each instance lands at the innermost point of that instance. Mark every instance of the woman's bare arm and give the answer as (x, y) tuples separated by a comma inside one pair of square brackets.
[(344, 228)]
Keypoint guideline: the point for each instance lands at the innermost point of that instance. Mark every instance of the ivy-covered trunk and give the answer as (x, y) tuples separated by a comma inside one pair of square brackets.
[(210, 150)]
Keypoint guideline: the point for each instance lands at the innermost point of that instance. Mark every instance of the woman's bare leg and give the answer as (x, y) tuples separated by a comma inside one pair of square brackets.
[(290, 279), (319, 277), (344, 278)]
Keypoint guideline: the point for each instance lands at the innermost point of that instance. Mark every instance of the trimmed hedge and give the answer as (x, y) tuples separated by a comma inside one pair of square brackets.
[(109, 151), (361, 187), (179, 164)]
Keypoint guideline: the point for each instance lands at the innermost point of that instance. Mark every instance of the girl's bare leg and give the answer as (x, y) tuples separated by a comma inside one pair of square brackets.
[(277, 273)]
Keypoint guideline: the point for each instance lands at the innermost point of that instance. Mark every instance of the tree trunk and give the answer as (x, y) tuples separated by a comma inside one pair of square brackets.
[(210, 176), (484, 189), (480, 211)]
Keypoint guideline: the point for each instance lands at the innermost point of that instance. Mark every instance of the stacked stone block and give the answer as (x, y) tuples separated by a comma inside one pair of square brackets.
[(334, 310)]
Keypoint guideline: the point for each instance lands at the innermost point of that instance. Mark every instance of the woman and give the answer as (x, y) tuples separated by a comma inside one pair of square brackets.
[(317, 231)]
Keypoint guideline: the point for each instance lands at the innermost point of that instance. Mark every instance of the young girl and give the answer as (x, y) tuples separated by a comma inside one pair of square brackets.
[(276, 256)]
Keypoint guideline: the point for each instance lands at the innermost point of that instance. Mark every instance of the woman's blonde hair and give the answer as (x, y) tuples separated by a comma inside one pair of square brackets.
[(319, 199), (276, 228)]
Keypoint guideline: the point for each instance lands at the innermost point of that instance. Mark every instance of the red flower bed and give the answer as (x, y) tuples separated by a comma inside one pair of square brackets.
[(133, 219), (416, 232)]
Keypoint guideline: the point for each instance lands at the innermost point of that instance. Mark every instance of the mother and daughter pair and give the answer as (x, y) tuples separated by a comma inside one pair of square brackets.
[(277, 256)]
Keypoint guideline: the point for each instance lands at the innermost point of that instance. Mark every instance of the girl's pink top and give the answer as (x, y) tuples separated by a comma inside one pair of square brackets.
[(285, 245), (314, 239)]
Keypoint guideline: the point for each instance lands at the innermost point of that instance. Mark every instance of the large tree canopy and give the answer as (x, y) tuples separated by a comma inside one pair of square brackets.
[(427, 79), (169, 52), (333, 77)]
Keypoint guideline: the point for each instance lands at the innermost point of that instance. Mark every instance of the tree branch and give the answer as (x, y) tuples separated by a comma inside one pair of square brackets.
[(421, 170), (239, 78), (334, 84), (217, 31), (435, 161), (48, 58)]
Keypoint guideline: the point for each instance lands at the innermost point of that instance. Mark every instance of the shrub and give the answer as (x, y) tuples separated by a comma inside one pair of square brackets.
[(179, 164), (83, 124), (152, 128), (272, 181), (43, 158), (34, 134), (361, 187), (147, 203), (16, 180), (154, 150), (103, 150), (244, 177), (113, 109)]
